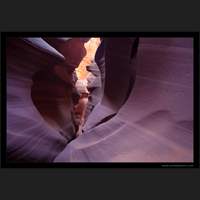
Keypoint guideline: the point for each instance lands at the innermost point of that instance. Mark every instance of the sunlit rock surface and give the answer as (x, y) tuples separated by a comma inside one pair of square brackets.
[(91, 47), (155, 123)]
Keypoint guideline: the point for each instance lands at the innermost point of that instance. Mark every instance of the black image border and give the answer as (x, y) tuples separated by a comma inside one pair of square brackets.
[(194, 164)]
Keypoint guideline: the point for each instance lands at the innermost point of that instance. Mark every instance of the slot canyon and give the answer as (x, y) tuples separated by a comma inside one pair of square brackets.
[(106, 99)]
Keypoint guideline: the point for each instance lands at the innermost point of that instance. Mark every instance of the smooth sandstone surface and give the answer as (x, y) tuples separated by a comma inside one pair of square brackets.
[(155, 123), (145, 114), (39, 101)]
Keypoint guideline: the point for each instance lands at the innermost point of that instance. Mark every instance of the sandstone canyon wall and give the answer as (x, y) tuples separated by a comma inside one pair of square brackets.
[(39, 97), (155, 124), (140, 111)]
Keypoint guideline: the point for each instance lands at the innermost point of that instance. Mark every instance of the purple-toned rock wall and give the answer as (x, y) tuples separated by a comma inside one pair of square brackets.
[(145, 114), (155, 123), (39, 99)]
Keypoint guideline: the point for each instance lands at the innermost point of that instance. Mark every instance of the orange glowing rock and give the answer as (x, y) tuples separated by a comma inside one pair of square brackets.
[(91, 47)]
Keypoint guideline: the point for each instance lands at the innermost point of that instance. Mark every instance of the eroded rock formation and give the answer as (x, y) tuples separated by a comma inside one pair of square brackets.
[(151, 120), (142, 111), (40, 97)]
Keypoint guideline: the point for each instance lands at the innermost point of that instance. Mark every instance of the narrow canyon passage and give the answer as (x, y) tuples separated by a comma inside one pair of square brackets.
[(99, 99)]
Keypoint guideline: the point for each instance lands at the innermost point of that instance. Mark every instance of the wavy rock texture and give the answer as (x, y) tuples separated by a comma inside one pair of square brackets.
[(155, 123), (39, 100), (145, 113)]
